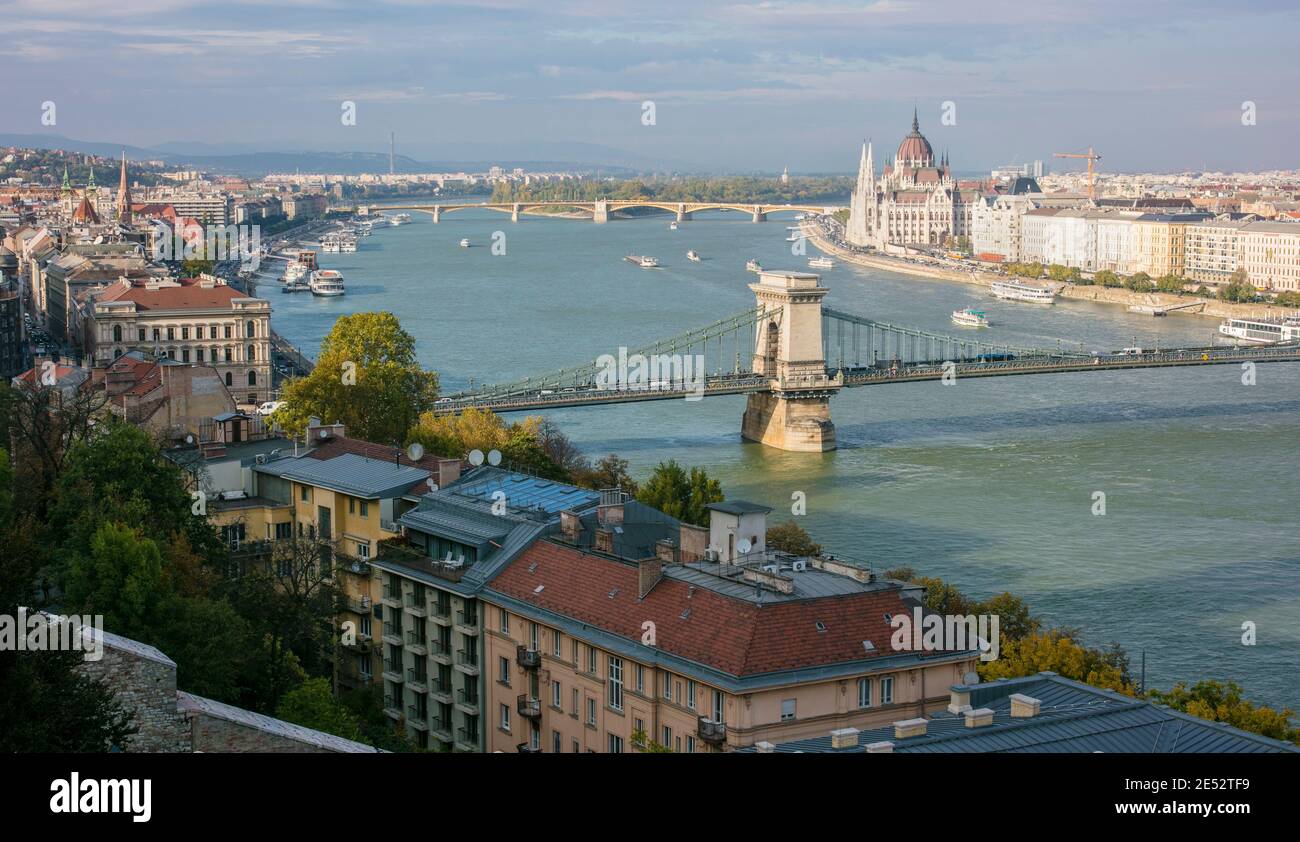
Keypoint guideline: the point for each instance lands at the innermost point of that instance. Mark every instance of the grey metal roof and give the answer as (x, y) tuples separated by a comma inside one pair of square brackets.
[(1073, 718), (351, 474), (808, 584), (738, 507), (438, 515), (190, 703)]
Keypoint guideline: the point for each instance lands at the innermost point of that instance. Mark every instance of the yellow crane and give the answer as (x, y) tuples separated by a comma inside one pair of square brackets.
[(1092, 158)]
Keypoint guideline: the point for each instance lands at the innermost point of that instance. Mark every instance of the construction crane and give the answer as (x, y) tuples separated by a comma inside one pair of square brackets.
[(1092, 158)]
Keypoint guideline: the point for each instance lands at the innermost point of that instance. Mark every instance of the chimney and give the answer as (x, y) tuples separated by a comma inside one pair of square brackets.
[(884, 747), (844, 738), (610, 510), (958, 699), (604, 540), (1024, 707), (694, 540), (764, 747), (666, 550), (649, 571), (448, 471), (905, 728), (979, 717), (570, 526)]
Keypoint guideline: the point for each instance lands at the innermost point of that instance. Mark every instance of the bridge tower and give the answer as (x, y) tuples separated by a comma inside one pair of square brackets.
[(600, 210), (794, 412)]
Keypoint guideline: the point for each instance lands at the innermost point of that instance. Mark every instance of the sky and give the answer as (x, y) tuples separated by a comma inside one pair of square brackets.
[(1153, 85)]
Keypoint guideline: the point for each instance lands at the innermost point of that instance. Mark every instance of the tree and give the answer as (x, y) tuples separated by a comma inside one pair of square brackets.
[(1057, 272), (1107, 278), (312, 704), (120, 578), (643, 742), (1223, 702), (608, 472), (520, 444), (679, 494), (1056, 650), (792, 538), (367, 377), (44, 425)]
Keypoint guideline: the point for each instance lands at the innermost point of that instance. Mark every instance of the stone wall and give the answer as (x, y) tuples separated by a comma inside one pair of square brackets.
[(147, 686)]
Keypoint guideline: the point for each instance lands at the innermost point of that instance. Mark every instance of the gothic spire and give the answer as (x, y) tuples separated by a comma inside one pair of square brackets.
[(123, 196), (67, 183), (916, 124)]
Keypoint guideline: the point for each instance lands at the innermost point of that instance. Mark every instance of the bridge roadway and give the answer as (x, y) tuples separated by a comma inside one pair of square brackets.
[(854, 376), (599, 209)]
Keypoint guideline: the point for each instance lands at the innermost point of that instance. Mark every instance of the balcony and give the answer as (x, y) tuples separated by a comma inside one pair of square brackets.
[(351, 564), (440, 729), (393, 671), (467, 661), (415, 681), (713, 733), (440, 691), (416, 718), (440, 652), (467, 700), (358, 605), (392, 596), (415, 642), (466, 740), (525, 748), (467, 623), (529, 706), (392, 633), (529, 659), (416, 606), (390, 526), (441, 614), (360, 645), (393, 707)]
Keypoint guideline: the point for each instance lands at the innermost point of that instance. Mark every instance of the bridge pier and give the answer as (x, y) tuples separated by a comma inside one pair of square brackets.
[(437, 214), (600, 211), (759, 215), (794, 412), (514, 212), (682, 216)]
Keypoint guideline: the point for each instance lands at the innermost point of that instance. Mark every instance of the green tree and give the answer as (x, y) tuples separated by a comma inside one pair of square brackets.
[(367, 377), (1057, 651), (608, 472), (312, 704), (1139, 282), (643, 742), (1107, 278), (120, 578), (792, 538), (1223, 702), (674, 491)]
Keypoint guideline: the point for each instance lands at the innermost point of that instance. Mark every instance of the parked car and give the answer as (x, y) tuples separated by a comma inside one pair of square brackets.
[(269, 407)]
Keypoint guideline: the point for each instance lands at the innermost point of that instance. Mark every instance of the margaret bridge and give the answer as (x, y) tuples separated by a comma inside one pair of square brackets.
[(790, 355), (600, 209)]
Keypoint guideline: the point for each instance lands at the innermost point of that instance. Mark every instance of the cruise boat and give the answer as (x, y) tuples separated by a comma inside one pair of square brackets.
[(970, 317), (693, 256), (399, 219), (347, 243), (1262, 331), (331, 244), (753, 266), (464, 242), (365, 228), (295, 272), (1021, 291), (326, 282), (821, 263), (645, 261), (672, 226)]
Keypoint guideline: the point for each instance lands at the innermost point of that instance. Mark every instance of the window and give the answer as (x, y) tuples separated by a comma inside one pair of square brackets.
[(574, 710), (252, 353), (591, 660), (667, 741), (575, 653), (638, 724), (185, 355), (505, 717), (503, 670), (185, 332), (577, 749), (365, 626), (615, 683), (668, 687), (248, 329), (640, 678), (171, 333), (557, 742), (591, 712), (615, 744), (302, 489), (558, 641), (717, 706), (363, 549), (198, 331), (352, 506), (140, 333), (283, 531), (230, 380), (157, 334), (365, 508), (252, 376), (117, 333), (229, 355), (228, 332), (198, 354), (557, 698), (532, 637), (363, 666), (864, 692), (690, 694), (787, 710), (887, 690), (505, 622), (690, 744)]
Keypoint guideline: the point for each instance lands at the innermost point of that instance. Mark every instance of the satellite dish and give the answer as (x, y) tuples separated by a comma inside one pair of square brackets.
[(494, 457), (433, 486), (476, 457), (189, 439), (743, 546), (971, 677), (415, 452)]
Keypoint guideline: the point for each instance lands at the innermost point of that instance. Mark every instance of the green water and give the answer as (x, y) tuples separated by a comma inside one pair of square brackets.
[(986, 483)]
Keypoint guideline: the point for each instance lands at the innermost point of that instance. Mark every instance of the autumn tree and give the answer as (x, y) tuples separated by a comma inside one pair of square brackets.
[(790, 537), (681, 494), (1223, 702)]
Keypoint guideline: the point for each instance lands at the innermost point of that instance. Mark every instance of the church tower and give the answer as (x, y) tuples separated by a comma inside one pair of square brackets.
[(123, 196)]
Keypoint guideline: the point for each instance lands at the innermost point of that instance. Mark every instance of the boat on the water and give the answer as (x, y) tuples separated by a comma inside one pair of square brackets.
[(326, 282), (464, 242), (1021, 291), (399, 219), (1262, 331), (753, 266), (672, 226), (821, 263), (970, 317), (693, 256), (645, 261)]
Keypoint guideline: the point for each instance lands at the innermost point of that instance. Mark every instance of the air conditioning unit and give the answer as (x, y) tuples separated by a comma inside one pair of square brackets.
[(801, 565), (771, 568), (261, 459), (711, 554)]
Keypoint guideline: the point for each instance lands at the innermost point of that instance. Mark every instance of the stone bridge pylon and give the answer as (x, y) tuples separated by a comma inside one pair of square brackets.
[(794, 412)]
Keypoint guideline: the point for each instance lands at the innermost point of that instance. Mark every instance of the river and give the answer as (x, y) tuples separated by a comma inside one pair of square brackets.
[(989, 484)]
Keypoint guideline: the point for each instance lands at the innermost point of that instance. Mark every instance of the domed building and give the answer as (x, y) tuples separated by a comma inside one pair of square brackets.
[(914, 201)]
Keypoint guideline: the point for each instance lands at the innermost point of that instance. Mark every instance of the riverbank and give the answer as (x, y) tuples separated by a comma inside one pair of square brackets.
[(1102, 295)]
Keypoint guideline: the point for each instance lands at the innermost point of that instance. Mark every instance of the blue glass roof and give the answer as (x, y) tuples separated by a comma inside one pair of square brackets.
[(524, 491)]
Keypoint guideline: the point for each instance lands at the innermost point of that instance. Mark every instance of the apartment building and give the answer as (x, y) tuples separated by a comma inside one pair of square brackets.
[(1270, 254), (1212, 252), (456, 539), (199, 320), (70, 273), (1121, 241), (709, 643), (996, 227)]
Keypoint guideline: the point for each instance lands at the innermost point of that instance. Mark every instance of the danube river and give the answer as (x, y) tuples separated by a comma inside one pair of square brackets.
[(989, 484)]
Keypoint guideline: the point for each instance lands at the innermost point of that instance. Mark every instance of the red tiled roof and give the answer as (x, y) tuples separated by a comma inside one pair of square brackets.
[(188, 296), (732, 635)]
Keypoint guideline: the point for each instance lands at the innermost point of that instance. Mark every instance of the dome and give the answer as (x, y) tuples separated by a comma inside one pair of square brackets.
[(915, 149)]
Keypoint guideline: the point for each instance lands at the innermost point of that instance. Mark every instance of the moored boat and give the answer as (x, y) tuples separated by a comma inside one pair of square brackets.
[(970, 317)]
